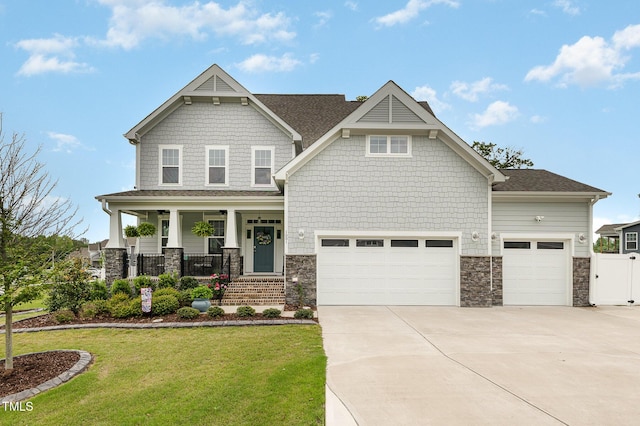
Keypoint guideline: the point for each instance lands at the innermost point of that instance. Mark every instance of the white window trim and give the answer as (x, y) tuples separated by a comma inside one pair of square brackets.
[(160, 165), (626, 241), (388, 153), (226, 165), (207, 218), (253, 165), (160, 236)]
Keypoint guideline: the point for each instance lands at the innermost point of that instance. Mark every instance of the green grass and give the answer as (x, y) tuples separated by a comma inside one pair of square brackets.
[(199, 376)]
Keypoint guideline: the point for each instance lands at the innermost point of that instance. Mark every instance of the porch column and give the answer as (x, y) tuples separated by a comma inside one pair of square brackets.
[(230, 233), (174, 237), (115, 230)]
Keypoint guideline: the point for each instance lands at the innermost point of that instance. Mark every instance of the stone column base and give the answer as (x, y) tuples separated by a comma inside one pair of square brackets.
[(475, 281), (581, 278), (231, 262), (303, 267), (115, 264), (173, 260)]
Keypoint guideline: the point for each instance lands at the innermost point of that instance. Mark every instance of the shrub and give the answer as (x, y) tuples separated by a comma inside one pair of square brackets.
[(94, 308), (135, 308), (64, 316), (98, 290), (143, 281), (215, 312), (304, 314), (121, 287), (164, 305), (187, 283), (202, 292), (70, 288), (185, 298), (271, 313), (245, 311), (167, 290), (118, 305), (188, 313), (169, 279)]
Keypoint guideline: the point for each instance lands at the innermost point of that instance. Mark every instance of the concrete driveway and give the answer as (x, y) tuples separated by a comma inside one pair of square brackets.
[(500, 366)]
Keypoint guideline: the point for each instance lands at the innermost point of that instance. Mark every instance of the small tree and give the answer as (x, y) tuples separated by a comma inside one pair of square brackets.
[(28, 210), (502, 158)]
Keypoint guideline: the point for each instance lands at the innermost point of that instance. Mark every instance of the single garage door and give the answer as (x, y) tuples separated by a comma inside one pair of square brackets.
[(387, 271), (535, 272)]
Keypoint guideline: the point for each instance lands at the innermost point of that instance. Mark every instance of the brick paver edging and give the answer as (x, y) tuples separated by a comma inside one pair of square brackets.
[(78, 367), (165, 324)]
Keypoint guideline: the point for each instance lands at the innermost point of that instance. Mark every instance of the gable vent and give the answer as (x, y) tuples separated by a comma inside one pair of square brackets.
[(215, 84), (402, 114), (378, 114)]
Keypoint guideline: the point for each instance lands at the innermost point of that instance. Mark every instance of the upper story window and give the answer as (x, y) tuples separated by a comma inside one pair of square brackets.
[(388, 146), (170, 165), (262, 166), (217, 165), (631, 241)]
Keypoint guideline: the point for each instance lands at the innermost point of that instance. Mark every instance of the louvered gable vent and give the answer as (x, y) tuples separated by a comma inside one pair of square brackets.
[(390, 110), (215, 84)]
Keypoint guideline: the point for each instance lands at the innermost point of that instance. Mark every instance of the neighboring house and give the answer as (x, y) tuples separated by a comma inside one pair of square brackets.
[(374, 202), (627, 233), (95, 253)]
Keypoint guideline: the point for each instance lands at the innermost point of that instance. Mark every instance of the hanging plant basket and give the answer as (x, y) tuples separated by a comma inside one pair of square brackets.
[(131, 231), (146, 229), (202, 229)]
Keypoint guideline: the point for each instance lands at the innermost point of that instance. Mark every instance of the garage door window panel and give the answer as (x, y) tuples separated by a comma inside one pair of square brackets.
[(369, 243), (439, 243), (404, 243), (335, 242), (520, 245), (550, 245)]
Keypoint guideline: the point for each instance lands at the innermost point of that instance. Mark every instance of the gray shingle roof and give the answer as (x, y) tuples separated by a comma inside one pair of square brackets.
[(313, 115), (535, 180), (609, 229)]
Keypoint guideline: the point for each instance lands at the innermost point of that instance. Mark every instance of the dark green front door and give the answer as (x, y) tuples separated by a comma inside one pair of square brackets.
[(263, 242)]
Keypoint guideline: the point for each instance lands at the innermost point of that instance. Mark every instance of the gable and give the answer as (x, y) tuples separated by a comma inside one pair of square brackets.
[(216, 83), (390, 110)]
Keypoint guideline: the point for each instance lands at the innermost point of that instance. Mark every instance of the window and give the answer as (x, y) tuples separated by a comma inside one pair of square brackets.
[(631, 241), (262, 160), (439, 243), (335, 243), (404, 243), (170, 165), (164, 232), (217, 165), (550, 245), (517, 245), (369, 243), (389, 146), (216, 241)]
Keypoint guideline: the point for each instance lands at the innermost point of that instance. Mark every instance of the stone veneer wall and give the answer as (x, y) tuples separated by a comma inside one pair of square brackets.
[(581, 278), (497, 281), (231, 255), (302, 266), (475, 281), (114, 266), (173, 260)]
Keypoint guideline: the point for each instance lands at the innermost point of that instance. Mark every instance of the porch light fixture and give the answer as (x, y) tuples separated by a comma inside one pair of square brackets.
[(475, 236), (582, 238), (301, 234), (494, 236), (539, 218)]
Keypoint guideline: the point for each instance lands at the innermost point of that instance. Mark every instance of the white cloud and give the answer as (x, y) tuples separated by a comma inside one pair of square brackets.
[(567, 7), (591, 61), (54, 54), (537, 12), (471, 91), (410, 11), (133, 22), (260, 62), (323, 18), (537, 119), (499, 112), (352, 5), (426, 93), (65, 143)]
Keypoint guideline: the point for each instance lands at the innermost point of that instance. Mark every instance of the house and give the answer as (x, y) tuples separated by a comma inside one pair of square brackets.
[(625, 233), (374, 202)]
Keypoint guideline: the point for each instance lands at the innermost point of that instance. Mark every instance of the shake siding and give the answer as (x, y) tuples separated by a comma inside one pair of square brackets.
[(519, 217), (200, 124), (342, 189)]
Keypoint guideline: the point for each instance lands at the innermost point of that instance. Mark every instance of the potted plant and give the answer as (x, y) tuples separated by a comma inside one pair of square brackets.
[(202, 229), (201, 296), (219, 284), (131, 232), (146, 229)]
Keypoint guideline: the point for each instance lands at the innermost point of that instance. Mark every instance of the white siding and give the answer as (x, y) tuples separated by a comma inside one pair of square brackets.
[(200, 124), (519, 217), (342, 189)]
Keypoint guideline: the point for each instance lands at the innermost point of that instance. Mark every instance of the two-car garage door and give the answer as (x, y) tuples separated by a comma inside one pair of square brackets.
[(387, 271)]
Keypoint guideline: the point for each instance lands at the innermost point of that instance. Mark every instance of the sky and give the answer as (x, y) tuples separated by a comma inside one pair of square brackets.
[(559, 79)]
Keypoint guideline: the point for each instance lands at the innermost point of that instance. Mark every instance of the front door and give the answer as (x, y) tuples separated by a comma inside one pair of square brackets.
[(263, 243)]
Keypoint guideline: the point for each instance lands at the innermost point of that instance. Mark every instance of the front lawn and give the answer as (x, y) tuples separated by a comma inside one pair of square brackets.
[(197, 376)]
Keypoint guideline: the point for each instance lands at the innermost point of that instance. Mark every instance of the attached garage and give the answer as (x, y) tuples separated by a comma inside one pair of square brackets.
[(368, 270), (536, 272)]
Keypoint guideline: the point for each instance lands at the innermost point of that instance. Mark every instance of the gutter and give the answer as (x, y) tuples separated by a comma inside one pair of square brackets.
[(104, 207)]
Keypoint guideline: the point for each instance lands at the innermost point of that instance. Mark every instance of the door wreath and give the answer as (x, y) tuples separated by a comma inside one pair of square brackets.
[(263, 239)]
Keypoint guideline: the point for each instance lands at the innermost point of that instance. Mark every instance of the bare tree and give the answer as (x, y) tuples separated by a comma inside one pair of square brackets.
[(28, 209)]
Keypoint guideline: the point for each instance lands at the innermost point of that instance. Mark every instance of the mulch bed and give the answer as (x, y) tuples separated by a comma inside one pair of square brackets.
[(33, 370)]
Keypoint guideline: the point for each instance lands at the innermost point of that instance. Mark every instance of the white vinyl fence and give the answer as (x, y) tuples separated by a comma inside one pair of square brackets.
[(616, 279)]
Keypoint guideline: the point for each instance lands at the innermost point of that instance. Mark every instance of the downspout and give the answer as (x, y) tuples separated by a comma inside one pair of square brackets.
[(592, 255), (490, 180), (104, 207)]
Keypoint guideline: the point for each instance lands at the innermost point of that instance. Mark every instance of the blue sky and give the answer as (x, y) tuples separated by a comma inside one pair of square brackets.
[(559, 79)]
